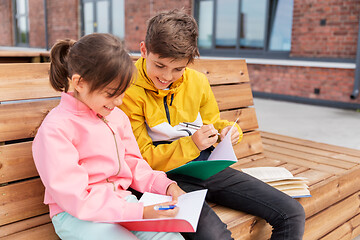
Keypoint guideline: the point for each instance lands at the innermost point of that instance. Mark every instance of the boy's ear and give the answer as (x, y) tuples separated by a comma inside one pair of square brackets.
[(77, 83), (143, 50)]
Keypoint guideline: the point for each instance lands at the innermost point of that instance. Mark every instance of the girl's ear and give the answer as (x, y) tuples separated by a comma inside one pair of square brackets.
[(77, 82), (143, 50)]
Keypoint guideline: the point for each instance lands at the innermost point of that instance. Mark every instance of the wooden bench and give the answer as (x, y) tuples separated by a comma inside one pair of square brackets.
[(16, 56), (333, 172)]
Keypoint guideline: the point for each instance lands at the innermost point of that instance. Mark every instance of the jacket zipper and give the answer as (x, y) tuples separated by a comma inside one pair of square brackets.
[(167, 109), (116, 145)]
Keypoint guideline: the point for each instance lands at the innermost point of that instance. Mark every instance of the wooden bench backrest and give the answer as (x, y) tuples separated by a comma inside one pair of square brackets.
[(21, 191)]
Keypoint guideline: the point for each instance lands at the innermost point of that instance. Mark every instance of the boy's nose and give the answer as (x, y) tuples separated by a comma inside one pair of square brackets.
[(167, 76)]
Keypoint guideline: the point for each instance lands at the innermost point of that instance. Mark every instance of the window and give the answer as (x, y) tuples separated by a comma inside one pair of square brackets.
[(244, 27), (21, 16), (104, 16)]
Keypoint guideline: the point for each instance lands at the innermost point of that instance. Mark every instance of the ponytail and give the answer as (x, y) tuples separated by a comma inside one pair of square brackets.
[(59, 70)]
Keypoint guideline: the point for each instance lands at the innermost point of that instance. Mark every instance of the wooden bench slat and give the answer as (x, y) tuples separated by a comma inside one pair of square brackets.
[(16, 162), (317, 145), (348, 230), (233, 96), (302, 162), (249, 145), (21, 200), (222, 72), (247, 118), (26, 224), (316, 227), (42, 232), (25, 81), (312, 150), (21, 120), (311, 157)]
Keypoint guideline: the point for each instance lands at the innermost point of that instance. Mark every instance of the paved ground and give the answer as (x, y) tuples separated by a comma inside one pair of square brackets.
[(321, 124)]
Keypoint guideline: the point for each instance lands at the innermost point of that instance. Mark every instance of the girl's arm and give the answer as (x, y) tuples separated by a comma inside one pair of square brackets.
[(67, 182)]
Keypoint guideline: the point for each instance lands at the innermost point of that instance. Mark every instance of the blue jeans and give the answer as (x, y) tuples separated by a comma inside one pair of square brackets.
[(239, 191)]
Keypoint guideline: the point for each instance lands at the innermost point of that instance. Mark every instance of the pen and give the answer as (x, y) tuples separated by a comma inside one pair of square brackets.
[(192, 126), (164, 207)]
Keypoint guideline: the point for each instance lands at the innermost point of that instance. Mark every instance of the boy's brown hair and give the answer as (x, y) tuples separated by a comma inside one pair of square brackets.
[(172, 34)]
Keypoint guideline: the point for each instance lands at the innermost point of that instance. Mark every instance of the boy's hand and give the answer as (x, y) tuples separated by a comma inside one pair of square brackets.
[(175, 191), (150, 212), (235, 135), (205, 137)]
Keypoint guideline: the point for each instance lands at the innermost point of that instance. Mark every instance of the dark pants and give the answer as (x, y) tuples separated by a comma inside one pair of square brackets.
[(242, 192)]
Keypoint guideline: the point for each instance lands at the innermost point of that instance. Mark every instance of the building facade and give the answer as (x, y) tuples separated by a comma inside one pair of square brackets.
[(296, 50)]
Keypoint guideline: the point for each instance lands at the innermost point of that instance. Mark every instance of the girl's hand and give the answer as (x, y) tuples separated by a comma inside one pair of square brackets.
[(175, 191), (235, 135), (150, 212), (205, 137)]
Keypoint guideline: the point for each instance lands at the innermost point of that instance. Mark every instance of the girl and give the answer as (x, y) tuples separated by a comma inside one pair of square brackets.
[(85, 151)]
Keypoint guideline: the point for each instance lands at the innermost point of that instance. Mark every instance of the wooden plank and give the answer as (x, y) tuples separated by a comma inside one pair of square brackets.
[(21, 120), (21, 200), (25, 81), (346, 231), (16, 162), (331, 191), (300, 161), (26, 224), (247, 118), (322, 146), (249, 145), (233, 96), (222, 71), (312, 150), (314, 176), (318, 226), (310, 157), (42, 232)]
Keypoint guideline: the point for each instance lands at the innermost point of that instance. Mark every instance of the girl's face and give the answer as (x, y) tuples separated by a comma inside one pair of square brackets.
[(99, 100), (162, 71)]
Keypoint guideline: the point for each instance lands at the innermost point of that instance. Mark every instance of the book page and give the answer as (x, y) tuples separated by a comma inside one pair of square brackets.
[(269, 173), (224, 150)]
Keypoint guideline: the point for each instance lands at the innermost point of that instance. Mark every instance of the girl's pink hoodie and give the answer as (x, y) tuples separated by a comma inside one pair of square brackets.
[(86, 169)]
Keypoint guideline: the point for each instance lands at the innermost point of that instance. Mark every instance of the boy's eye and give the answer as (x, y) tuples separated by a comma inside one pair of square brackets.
[(159, 66)]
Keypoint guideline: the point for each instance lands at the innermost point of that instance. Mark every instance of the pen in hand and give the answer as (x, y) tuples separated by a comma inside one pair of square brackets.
[(192, 126), (164, 207)]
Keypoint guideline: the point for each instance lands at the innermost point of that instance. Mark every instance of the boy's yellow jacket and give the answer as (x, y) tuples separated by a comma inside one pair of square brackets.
[(155, 116)]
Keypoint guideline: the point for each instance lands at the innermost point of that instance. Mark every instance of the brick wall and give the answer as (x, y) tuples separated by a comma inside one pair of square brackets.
[(325, 29), (36, 24), (332, 84), (6, 25), (138, 12), (63, 20)]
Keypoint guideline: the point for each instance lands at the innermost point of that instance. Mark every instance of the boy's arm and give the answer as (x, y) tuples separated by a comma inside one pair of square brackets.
[(163, 157)]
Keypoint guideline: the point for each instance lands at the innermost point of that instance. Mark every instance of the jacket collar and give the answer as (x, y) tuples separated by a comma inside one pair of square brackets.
[(71, 104)]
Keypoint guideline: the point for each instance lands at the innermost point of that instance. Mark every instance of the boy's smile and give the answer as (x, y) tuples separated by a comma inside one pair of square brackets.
[(162, 71)]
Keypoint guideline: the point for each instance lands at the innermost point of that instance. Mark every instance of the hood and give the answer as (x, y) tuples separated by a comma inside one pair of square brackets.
[(143, 81)]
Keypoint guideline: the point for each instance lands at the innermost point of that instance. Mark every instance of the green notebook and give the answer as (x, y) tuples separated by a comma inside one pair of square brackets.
[(202, 169)]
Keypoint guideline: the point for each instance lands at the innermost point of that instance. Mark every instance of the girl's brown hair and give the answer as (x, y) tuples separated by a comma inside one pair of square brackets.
[(98, 58), (172, 34)]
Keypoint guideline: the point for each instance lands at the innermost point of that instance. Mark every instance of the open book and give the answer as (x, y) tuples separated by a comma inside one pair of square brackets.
[(281, 179), (220, 158), (190, 205)]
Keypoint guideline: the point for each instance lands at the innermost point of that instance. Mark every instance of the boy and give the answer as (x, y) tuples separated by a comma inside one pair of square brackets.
[(167, 93)]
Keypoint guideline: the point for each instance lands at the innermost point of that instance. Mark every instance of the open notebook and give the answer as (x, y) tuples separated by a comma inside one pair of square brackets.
[(190, 205), (281, 179), (220, 158)]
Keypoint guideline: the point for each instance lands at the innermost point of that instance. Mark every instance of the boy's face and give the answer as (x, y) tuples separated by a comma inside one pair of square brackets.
[(162, 71)]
